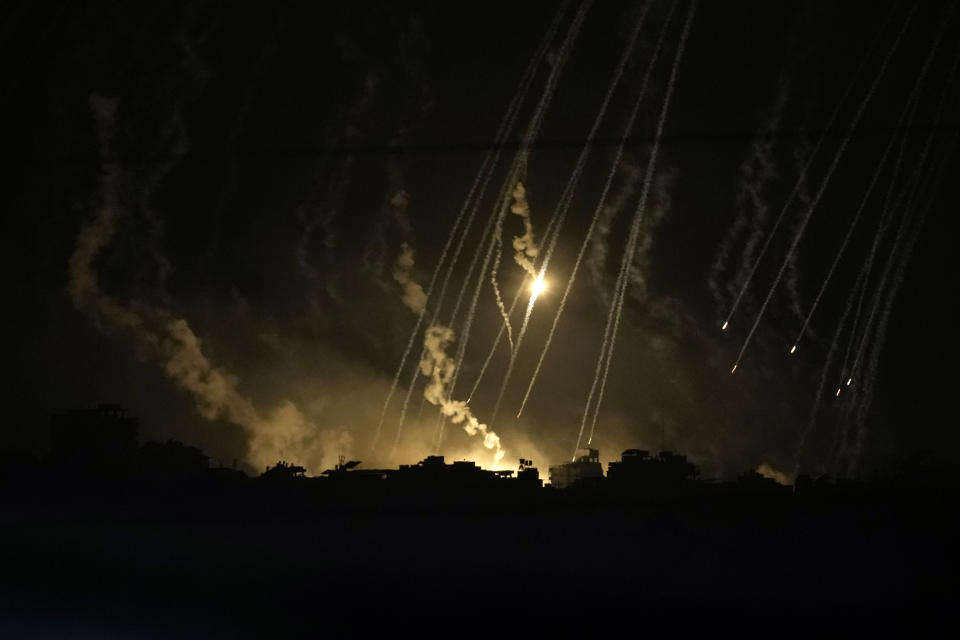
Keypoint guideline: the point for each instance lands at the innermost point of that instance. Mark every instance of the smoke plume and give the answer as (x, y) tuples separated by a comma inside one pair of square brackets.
[(284, 432), (413, 296), (525, 246), (439, 368)]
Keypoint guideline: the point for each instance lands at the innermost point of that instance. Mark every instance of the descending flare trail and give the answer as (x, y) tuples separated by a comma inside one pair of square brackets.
[(818, 396), (916, 190), (496, 341), (912, 202), (824, 183), (803, 172), (474, 197), (566, 199), (616, 307), (500, 206), (880, 334), (920, 190), (596, 214), (909, 111)]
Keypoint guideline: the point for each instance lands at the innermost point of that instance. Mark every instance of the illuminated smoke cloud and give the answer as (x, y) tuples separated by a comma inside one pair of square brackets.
[(439, 367), (398, 206), (767, 471), (525, 246), (394, 215), (413, 295), (284, 433)]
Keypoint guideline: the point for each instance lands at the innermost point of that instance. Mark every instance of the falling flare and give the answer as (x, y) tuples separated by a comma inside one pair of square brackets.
[(793, 349), (734, 368), (838, 391), (538, 286), (849, 380), (724, 327)]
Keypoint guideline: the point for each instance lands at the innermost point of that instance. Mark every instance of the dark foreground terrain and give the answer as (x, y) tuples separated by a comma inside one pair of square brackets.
[(273, 560)]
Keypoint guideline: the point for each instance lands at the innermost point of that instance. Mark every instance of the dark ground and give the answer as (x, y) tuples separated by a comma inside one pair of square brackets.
[(267, 562)]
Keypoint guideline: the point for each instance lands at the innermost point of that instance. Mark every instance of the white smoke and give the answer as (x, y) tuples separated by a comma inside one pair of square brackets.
[(768, 471), (525, 246), (284, 433), (439, 368), (413, 295), (398, 206)]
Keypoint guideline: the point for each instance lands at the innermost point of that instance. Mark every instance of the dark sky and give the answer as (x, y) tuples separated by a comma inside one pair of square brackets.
[(202, 224)]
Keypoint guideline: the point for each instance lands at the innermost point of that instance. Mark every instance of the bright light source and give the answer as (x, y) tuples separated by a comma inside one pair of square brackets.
[(538, 286), (724, 327), (794, 349)]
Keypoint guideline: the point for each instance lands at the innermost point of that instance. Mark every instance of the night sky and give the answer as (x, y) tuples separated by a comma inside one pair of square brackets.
[(208, 205)]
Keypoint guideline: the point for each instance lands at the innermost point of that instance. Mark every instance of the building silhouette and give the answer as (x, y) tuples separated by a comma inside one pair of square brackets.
[(99, 441), (637, 469), (584, 470)]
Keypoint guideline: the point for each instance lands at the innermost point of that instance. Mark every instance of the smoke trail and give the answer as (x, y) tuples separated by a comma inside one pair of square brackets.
[(803, 173), (929, 191), (284, 432), (439, 368), (754, 176), (525, 251), (601, 212), (908, 110), (319, 208), (597, 258), (660, 205), (413, 296), (824, 183), (792, 273), (494, 270), (616, 310), (474, 197), (889, 207), (566, 198), (912, 201), (913, 189), (525, 245), (860, 281), (496, 341), (519, 163), (880, 334), (845, 432)]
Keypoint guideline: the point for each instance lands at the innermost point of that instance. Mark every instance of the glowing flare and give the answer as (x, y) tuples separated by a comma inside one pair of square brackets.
[(724, 327), (793, 349), (838, 391), (538, 286), (734, 368), (849, 380)]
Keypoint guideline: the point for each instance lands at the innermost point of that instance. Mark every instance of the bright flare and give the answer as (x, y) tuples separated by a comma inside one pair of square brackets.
[(849, 380), (793, 349), (538, 286), (838, 391), (734, 369), (724, 327)]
